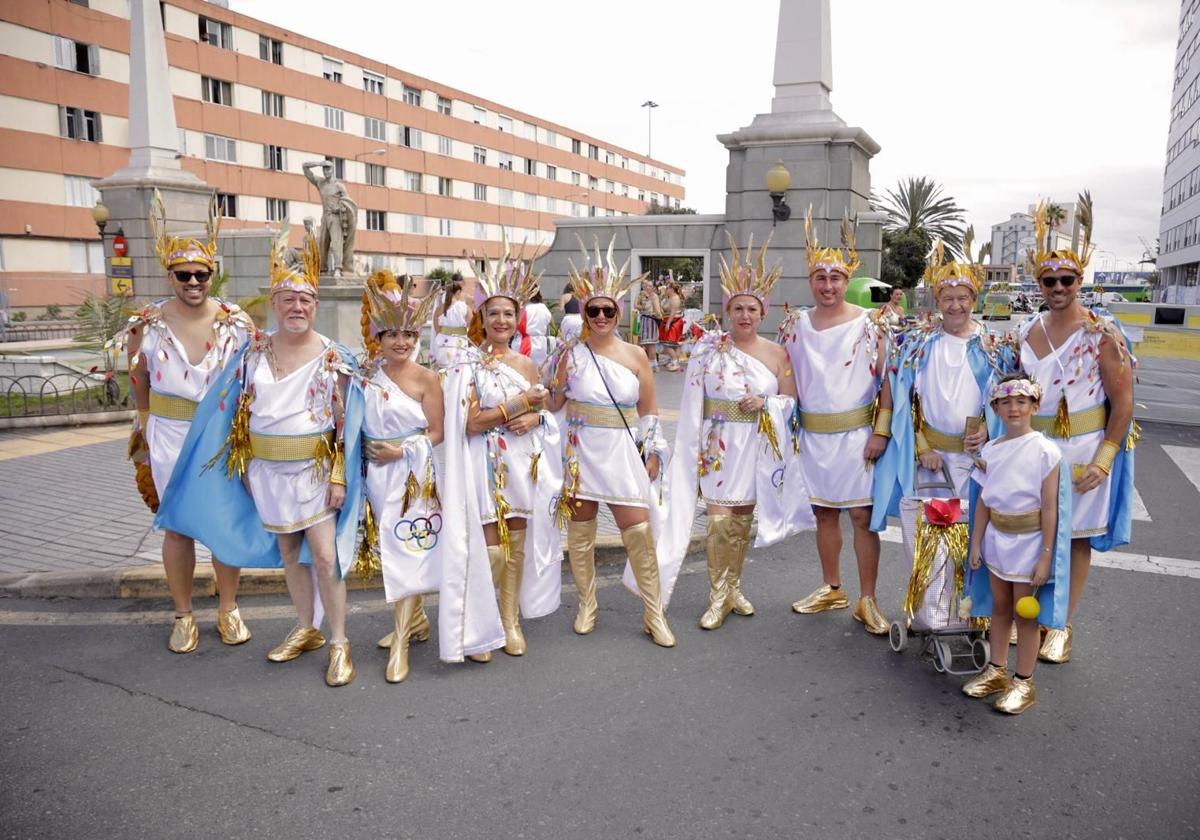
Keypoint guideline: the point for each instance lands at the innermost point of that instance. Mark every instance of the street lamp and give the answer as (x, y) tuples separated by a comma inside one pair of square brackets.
[(778, 181), (650, 104), (100, 216), (362, 155)]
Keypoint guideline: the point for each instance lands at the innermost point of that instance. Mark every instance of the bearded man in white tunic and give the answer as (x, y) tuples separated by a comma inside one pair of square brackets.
[(839, 354), (735, 445), (176, 349), (1082, 363)]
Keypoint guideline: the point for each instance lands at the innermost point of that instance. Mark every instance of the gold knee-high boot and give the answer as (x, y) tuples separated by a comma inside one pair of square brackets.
[(740, 546), (720, 558), (510, 594), (419, 630), (581, 550), (397, 664), (639, 544)]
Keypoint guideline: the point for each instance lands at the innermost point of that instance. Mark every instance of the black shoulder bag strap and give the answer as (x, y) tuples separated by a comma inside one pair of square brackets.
[(613, 399)]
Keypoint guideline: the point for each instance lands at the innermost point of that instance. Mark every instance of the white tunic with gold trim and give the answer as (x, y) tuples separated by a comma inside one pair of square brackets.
[(451, 339), (949, 394), (1012, 484)]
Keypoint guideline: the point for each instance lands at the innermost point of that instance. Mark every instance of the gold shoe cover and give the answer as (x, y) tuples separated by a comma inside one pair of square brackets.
[(720, 551), (868, 612), (397, 664), (581, 551), (231, 628), (420, 626), (341, 666), (639, 545), (1056, 647), (481, 657), (741, 604), (991, 679), (510, 594), (184, 635), (825, 598), (299, 640), (1017, 697)]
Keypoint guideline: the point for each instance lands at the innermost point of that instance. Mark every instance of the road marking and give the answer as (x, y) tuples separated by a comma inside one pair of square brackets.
[(1187, 458), (1140, 513)]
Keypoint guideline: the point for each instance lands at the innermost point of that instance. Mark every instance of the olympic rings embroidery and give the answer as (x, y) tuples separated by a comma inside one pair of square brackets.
[(777, 478), (420, 532)]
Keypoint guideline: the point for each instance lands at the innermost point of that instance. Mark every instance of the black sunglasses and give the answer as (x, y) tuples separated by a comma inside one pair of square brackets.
[(606, 311), (1067, 281), (200, 277)]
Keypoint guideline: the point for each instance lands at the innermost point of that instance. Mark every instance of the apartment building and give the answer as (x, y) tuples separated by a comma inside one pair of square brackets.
[(436, 172)]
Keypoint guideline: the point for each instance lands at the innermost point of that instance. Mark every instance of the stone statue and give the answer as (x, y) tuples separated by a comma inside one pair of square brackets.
[(339, 219)]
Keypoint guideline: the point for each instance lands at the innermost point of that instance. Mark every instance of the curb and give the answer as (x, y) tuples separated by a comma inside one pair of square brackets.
[(150, 581)]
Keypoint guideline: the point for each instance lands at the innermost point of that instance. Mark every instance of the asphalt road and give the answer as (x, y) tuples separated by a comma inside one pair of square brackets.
[(774, 726)]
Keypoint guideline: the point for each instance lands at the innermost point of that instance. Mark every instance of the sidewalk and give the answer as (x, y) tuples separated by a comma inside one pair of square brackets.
[(72, 522)]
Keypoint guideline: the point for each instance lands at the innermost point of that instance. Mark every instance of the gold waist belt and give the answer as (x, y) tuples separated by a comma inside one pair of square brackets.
[(452, 331), (171, 407), (729, 410), (941, 440), (837, 421), (1094, 419), (290, 447), (399, 439), (1016, 523), (602, 416)]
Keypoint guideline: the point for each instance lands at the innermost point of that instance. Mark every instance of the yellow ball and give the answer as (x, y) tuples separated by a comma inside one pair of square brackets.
[(1028, 607)]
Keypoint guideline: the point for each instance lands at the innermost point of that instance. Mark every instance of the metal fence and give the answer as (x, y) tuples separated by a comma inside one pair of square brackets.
[(60, 394), (38, 330)]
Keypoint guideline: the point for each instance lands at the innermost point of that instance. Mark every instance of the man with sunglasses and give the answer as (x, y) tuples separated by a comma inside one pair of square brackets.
[(177, 347), (1082, 362)]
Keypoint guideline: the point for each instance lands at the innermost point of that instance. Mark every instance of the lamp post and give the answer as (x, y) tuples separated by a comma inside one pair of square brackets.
[(650, 105), (778, 181), (362, 155)]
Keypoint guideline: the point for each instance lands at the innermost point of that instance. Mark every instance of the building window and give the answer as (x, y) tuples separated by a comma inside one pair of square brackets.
[(339, 166), (504, 124), (480, 115), (612, 187), (445, 186), (373, 82), (608, 158), (551, 173), (576, 210), (445, 227), (274, 157), (530, 166), (530, 201), (625, 190), (80, 192), (481, 192), (416, 224), (641, 195), (551, 204), (411, 137), (593, 151), (376, 220), (506, 198), (575, 176), (335, 118), (376, 175), (87, 258), (506, 161), (375, 129), (624, 162), (412, 181), (530, 131), (444, 105), (642, 167), (270, 49), (591, 210), (445, 146), (216, 34), (576, 147), (593, 182), (480, 155), (331, 69), (277, 209), (220, 148), (79, 124), (481, 230), (216, 91), (72, 55), (412, 96), (415, 266), (272, 104), (227, 205)]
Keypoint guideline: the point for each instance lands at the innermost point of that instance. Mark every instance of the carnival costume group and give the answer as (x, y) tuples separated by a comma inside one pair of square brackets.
[(285, 450)]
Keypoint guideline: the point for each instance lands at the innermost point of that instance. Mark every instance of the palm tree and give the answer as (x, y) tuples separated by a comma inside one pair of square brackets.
[(918, 206), (1055, 216)]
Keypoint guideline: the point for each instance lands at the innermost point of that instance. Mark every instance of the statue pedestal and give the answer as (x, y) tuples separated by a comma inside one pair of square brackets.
[(339, 314)]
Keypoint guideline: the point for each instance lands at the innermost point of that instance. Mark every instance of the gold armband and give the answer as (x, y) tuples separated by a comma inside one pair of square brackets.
[(503, 412), (883, 422), (922, 443), (337, 472), (1105, 455)]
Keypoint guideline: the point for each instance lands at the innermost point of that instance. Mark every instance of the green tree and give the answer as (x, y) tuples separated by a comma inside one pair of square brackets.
[(668, 210), (903, 258), (918, 206)]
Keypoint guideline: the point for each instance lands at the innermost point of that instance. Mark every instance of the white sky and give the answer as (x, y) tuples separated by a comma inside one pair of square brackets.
[(1002, 102)]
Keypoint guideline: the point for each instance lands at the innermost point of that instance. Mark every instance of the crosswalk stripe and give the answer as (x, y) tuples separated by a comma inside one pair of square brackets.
[(1140, 513), (1187, 458)]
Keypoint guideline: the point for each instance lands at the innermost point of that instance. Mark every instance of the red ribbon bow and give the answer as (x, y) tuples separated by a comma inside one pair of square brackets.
[(943, 512)]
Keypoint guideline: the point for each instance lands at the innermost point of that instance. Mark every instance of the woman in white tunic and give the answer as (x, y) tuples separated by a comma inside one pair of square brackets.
[(501, 469), (535, 340), (607, 389), (735, 437), (450, 322)]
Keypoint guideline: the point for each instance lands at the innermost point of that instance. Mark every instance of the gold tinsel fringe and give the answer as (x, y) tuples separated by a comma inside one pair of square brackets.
[(795, 421), (1135, 435), (563, 507), (767, 428), (502, 511), (367, 560), (412, 492), (323, 459), (533, 466), (235, 452), (955, 539), (137, 443), (145, 486), (429, 491), (1062, 419)]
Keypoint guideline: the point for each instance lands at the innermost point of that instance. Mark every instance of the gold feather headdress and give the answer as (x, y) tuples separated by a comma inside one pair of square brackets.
[(1076, 258), (601, 277), (177, 250), (749, 276), (388, 304), (831, 259), (509, 277), (300, 272), (942, 274)]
